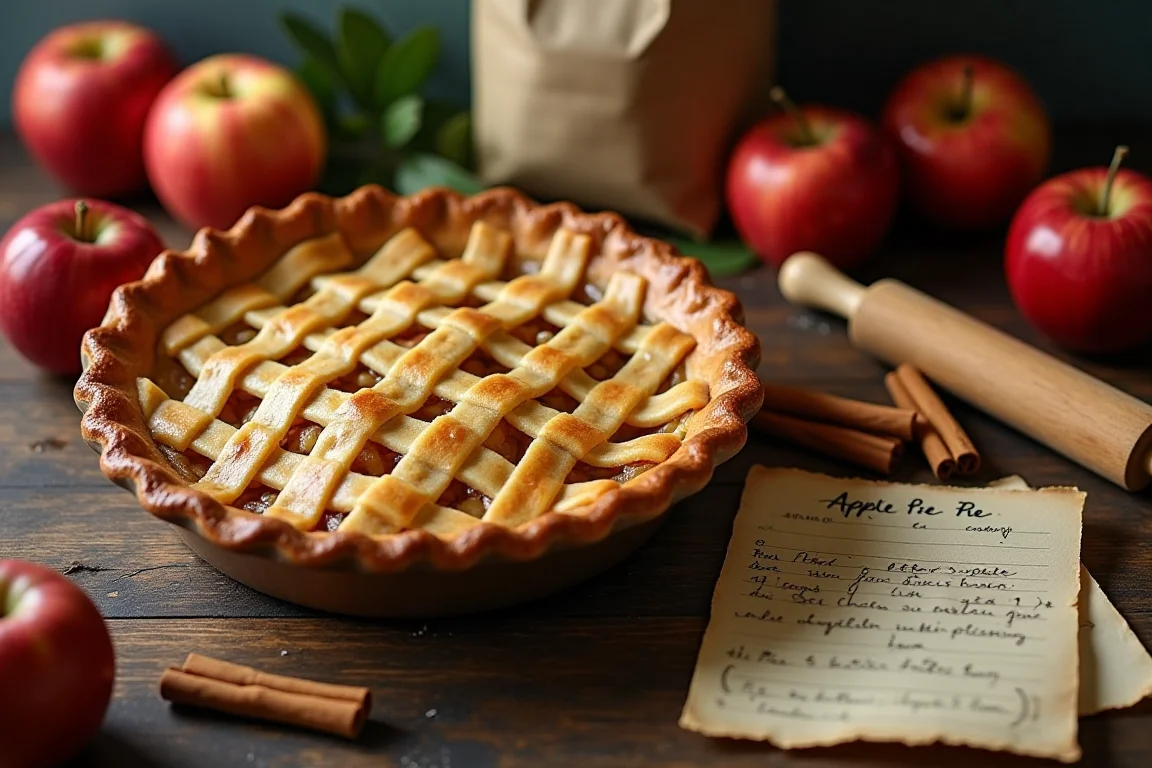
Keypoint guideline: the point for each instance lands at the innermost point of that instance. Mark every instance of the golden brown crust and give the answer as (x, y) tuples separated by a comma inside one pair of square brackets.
[(123, 349)]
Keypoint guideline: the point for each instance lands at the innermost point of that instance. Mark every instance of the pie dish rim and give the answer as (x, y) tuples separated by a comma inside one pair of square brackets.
[(113, 421)]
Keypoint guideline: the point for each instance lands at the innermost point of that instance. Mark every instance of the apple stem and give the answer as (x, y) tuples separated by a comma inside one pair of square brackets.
[(1106, 192), (781, 99), (964, 103), (81, 220)]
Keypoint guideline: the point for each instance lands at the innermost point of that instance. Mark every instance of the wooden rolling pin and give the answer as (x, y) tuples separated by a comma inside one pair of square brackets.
[(1090, 422)]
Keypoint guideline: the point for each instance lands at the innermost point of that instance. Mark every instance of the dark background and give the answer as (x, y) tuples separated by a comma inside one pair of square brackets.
[(1089, 61)]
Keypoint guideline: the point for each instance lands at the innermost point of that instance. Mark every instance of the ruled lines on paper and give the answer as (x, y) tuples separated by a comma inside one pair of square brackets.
[(850, 609)]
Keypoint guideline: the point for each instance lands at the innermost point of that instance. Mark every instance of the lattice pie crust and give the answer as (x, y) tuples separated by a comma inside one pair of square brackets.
[(389, 378)]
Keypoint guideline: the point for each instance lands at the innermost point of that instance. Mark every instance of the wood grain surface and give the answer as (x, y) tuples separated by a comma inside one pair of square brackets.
[(593, 676)]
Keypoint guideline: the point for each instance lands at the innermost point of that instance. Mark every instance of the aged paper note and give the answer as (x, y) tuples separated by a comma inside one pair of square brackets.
[(1115, 669), (850, 609)]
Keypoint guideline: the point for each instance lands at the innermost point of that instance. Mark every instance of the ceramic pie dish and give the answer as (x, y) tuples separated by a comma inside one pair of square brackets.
[(416, 406)]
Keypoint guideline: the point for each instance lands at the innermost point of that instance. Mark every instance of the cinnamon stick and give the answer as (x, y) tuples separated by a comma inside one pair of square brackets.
[(963, 452), (931, 444), (206, 666), (213, 684), (822, 406), (876, 452)]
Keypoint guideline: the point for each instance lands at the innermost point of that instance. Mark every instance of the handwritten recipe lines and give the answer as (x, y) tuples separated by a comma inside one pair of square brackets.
[(917, 543), (915, 635), (848, 644), (919, 559), (938, 528)]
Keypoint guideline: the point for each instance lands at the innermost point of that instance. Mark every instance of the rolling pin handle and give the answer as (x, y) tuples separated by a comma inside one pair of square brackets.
[(807, 279)]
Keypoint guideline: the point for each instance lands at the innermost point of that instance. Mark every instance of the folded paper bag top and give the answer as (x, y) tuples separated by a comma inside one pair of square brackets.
[(628, 105)]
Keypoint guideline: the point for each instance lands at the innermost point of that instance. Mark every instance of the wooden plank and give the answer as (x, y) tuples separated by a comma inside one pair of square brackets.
[(501, 690), (129, 562), (40, 443), (133, 565)]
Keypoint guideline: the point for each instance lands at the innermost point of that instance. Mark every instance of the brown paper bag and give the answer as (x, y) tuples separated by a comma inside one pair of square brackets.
[(629, 105)]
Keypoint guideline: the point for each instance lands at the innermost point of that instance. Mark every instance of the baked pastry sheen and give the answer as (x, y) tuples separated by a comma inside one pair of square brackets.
[(391, 379)]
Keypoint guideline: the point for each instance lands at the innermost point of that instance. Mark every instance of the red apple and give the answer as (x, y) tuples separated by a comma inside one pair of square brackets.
[(58, 267), (230, 132), (56, 666), (812, 178), (972, 138), (80, 101), (1079, 258)]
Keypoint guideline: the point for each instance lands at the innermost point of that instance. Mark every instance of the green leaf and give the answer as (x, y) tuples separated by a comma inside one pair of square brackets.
[(722, 258), (407, 64), (311, 40), (419, 171), (360, 44), (401, 121), (320, 83), (454, 139)]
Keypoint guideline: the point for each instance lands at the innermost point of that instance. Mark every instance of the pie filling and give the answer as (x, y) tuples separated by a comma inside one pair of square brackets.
[(418, 391)]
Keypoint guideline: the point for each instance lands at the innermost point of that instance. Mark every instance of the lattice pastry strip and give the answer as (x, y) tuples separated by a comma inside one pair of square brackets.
[(409, 383), (295, 268), (437, 455), (162, 412), (529, 417), (304, 500), (489, 400), (216, 380), (567, 438), (306, 262), (405, 498), (487, 464), (660, 409), (397, 434), (485, 470), (252, 445)]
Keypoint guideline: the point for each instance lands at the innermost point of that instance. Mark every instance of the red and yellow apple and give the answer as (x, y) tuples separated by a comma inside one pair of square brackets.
[(812, 178), (1079, 258), (230, 132), (973, 139), (58, 267), (80, 101), (56, 666)]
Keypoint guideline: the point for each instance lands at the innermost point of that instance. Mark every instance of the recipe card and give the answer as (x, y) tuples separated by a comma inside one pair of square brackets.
[(1115, 670), (851, 609)]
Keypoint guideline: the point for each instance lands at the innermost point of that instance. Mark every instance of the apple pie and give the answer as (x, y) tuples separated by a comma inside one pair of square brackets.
[(437, 377)]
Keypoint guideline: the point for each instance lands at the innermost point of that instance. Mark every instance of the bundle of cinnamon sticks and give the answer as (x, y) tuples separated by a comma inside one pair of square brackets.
[(237, 690), (868, 434)]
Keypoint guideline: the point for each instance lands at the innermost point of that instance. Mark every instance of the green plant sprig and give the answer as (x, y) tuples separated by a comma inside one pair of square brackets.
[(369, 88)]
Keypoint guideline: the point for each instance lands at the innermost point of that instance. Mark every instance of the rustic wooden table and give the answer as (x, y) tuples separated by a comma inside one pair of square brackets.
[(593, 676)]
